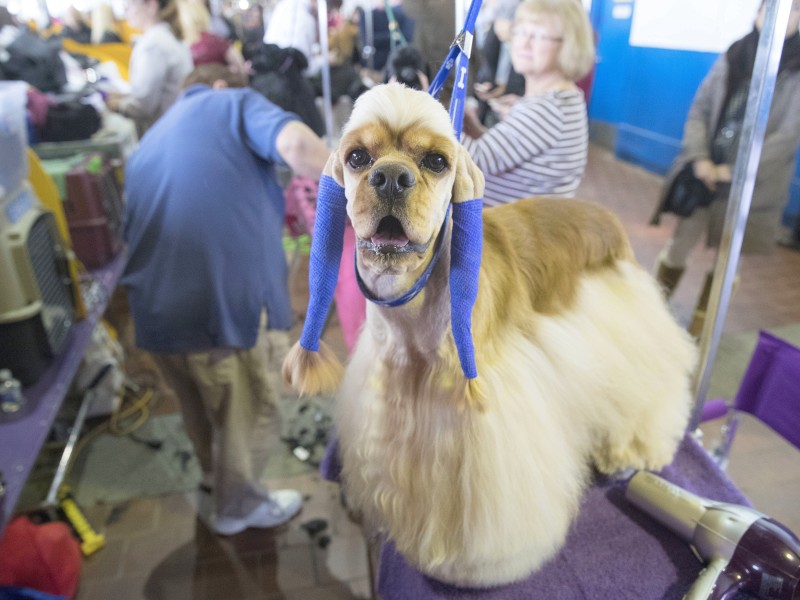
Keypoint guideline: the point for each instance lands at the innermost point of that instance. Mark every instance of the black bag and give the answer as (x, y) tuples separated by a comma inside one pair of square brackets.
[(686, 193), (69, 121), (37, 61)]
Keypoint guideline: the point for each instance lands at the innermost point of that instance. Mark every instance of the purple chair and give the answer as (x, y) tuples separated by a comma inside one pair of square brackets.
[(770, 391)]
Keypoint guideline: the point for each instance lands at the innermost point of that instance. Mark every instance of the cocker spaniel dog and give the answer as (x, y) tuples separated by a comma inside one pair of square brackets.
[(579, 363)]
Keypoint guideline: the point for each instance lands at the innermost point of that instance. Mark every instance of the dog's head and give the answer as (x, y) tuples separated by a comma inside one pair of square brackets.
[(400, 166), (396, 170)]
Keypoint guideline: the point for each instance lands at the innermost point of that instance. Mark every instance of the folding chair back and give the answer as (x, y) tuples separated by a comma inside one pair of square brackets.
[(770, 389)]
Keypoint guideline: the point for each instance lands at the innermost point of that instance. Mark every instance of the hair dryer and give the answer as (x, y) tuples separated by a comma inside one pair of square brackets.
[(745, 549)]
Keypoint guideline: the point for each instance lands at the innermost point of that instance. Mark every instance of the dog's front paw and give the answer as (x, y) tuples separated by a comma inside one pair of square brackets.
[(618, 455)]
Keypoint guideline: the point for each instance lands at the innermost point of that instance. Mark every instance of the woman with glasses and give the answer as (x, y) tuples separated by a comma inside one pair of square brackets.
[(539, 147)]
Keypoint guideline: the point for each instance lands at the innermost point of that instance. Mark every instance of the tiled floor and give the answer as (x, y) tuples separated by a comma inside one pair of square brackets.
[(160, 548)]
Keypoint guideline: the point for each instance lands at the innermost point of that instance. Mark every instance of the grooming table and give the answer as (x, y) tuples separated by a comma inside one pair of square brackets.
[(613, 550)]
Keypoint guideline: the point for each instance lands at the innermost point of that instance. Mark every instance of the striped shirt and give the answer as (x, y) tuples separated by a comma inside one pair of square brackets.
[(539, 149)]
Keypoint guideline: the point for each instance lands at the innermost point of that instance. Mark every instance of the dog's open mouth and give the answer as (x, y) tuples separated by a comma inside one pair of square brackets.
[(390, 238)]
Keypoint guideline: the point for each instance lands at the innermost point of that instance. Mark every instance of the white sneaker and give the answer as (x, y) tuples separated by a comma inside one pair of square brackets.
[(279, 509)]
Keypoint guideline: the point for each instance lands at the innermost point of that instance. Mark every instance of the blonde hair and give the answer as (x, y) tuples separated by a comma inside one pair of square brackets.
[(103, 20), (577, 54), (194, 19), (168, 13)]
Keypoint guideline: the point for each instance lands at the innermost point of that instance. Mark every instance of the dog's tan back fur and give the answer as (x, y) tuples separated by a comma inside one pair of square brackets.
[(551, 243)]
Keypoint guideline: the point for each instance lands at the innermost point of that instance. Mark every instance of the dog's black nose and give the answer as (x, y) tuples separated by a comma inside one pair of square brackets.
[(391, 181)]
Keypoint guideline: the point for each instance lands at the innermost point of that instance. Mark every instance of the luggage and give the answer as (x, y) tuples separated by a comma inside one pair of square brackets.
[(94, 207)]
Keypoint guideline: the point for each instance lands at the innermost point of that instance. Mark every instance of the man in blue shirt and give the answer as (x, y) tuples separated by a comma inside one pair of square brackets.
[(204, 221)]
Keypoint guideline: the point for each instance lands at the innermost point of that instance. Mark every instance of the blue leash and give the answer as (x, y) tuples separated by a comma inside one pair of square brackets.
[(458, 56)]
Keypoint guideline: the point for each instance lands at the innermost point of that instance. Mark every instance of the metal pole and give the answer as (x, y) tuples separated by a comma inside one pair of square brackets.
[(461, 15), (327, 100), (61, 471), (759, 98), (46, 12), (368, 52)]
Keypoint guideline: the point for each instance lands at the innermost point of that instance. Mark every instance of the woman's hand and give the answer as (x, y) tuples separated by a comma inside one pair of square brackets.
[(486, 91), (472, 125), (503, 105), (114, 101), (723, 173), (706, 171), (502, 29)]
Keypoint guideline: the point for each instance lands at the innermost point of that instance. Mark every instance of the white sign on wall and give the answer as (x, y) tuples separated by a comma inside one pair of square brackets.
[(698, 25)]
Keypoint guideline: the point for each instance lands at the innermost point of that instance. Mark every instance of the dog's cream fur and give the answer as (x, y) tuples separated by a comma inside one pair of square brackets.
[(578, 356)]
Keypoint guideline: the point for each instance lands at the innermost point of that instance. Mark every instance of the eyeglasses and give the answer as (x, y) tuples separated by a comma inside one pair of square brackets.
[(530, 35)]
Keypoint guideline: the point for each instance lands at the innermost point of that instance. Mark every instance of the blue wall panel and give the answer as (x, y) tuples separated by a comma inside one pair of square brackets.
[(663, 84), (608, 89)]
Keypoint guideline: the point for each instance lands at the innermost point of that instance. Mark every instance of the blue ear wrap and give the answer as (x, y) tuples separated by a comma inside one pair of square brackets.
[(465, 265), (326, 253)]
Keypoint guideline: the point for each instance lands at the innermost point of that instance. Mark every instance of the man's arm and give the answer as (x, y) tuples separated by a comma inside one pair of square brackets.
[(302, 150)]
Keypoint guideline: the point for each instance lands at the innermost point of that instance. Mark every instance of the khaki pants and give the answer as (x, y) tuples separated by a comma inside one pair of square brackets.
[(687, 234), (230, 414)]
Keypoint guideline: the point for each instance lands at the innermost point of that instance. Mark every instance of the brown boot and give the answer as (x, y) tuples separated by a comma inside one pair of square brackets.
[(699, 317), (668, 277)]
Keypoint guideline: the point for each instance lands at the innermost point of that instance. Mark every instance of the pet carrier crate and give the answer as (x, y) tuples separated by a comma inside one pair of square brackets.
[(36, 301), (93, 207)]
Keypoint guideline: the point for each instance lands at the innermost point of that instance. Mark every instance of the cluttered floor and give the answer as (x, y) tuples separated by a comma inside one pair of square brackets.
[(138, 482)]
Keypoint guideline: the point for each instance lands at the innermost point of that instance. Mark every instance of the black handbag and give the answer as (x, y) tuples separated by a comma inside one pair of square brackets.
[(687, 193), (69, 121)]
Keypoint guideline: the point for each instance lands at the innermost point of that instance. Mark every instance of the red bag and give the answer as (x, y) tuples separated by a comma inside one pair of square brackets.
[(41, 557)]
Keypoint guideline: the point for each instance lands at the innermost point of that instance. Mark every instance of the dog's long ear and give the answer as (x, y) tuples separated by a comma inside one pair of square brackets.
[(465, 266), (469, 181), (334, 168), (311, 367)]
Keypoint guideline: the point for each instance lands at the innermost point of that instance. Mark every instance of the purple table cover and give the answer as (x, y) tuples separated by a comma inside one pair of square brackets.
[(613, 551), (22, 434)]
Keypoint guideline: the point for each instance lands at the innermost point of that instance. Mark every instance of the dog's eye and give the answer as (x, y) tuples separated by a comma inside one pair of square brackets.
[(434, 162), (358, 158)]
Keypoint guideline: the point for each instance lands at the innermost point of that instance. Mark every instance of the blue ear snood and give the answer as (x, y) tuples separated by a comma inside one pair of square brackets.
[(465, 266), (326, 253)]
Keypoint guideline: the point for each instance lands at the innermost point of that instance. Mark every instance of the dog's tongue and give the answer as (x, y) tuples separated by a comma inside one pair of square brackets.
[(385, 239), (390, 233)]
